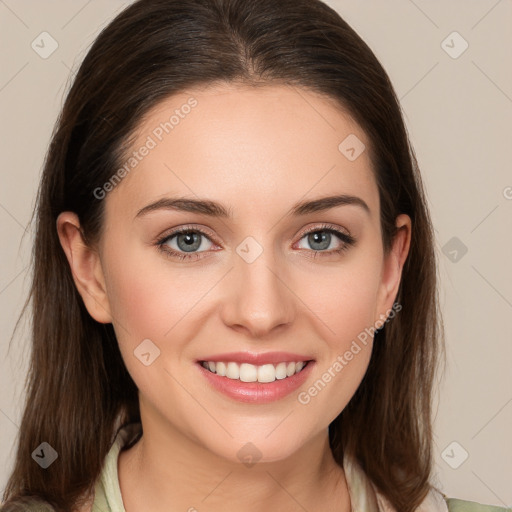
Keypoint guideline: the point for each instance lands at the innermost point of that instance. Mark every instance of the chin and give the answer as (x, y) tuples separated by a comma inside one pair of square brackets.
[(257, 447)]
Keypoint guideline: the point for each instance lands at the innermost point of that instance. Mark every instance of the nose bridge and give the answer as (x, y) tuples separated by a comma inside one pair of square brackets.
[(259, 299)]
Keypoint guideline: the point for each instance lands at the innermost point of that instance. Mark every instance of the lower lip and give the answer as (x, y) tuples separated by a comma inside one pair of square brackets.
[(257, 392)]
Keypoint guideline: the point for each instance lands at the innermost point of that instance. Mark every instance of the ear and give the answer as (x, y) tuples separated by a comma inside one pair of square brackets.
[(393, 265), (85, 266)]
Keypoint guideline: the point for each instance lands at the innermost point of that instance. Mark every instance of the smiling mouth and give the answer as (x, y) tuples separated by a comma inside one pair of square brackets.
[(246, 372)]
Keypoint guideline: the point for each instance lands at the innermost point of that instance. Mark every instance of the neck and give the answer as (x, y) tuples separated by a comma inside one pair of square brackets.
[(168, 471)]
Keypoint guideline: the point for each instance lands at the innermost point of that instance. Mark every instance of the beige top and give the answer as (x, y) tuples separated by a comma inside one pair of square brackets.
[(363, 495)]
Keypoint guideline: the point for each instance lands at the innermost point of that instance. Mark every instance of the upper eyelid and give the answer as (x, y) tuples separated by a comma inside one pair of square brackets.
[(325, 227)]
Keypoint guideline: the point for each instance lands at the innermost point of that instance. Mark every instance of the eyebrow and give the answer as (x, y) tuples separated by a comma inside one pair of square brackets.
[(214, 209)]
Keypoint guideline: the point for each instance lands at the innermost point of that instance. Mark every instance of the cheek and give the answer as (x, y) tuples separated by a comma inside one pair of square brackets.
[(344, 301), (343, 297), (147, 302), (148, 295), (138, 300)]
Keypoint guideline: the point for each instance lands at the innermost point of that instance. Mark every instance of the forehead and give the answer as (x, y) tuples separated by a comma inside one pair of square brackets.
[(248, 144)]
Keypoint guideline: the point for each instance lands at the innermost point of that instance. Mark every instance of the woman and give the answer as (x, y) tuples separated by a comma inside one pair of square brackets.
[(234, 293)]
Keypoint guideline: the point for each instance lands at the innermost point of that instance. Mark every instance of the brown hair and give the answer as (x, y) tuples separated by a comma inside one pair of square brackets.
[(150, 51)]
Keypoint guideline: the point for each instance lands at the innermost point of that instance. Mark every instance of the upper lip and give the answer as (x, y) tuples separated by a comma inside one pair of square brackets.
[(257, 359)]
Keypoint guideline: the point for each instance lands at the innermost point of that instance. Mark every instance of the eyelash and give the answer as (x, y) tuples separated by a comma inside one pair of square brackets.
[(347, 240)]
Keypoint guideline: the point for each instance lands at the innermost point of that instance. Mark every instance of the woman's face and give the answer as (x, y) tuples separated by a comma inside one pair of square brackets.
[(247, 279)]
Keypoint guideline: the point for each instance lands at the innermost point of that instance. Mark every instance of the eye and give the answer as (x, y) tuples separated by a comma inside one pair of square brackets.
[(185, 239), (320, 238)]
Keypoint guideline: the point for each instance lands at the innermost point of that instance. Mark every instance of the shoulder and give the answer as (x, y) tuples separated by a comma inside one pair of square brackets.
[(455, 505), (26, 504), (37, 505)]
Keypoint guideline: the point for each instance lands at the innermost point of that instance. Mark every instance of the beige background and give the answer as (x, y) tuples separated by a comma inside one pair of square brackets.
[(459, 114)]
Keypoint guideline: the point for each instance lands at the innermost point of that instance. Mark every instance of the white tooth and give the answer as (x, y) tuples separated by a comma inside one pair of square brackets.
[(281, 371), (248, 372), (220, 369), (266, 373), (233, 371)]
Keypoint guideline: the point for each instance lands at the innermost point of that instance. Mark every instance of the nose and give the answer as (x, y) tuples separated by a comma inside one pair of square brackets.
[(259, 301)]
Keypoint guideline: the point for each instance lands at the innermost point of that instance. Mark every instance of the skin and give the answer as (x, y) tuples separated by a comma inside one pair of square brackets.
[(258, 152)]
